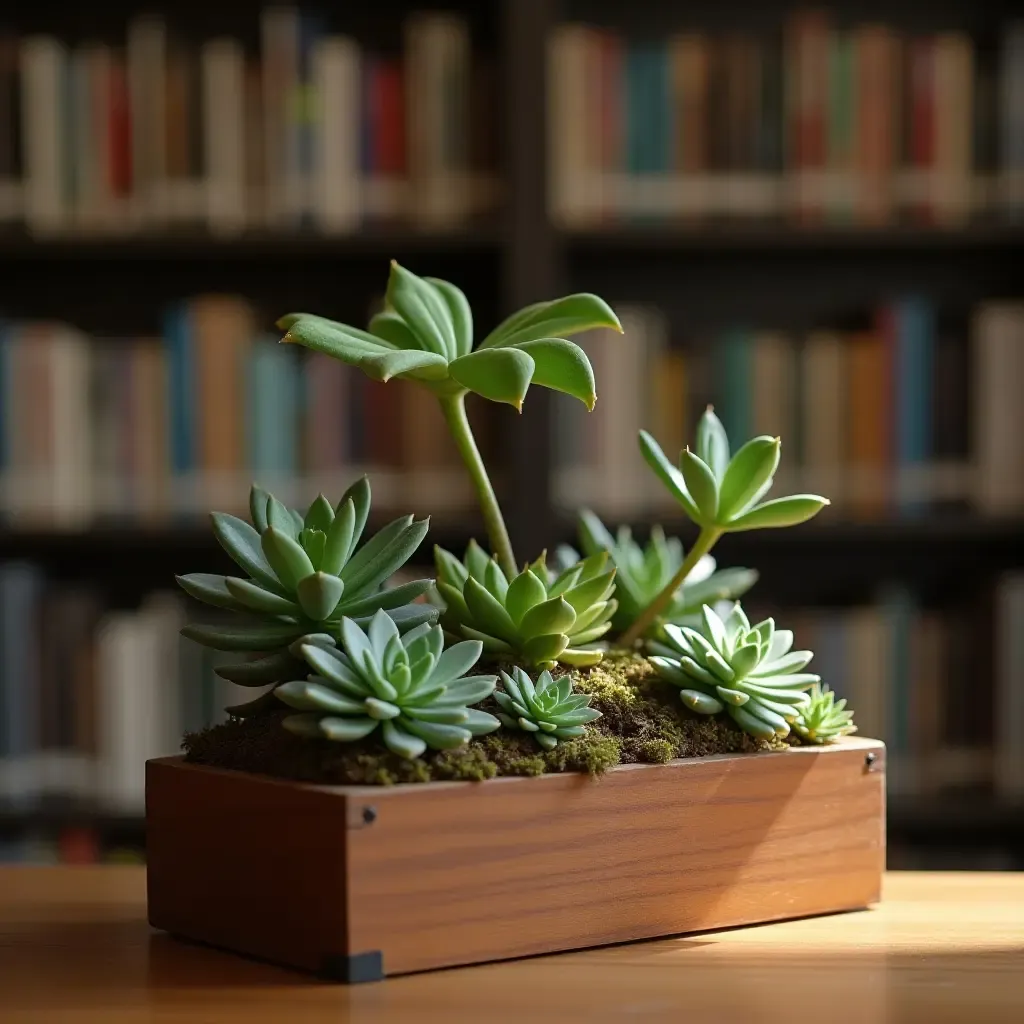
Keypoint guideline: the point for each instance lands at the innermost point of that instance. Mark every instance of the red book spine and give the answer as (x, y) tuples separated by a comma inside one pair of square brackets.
[(922, 123), (388, 105), (120, 131)]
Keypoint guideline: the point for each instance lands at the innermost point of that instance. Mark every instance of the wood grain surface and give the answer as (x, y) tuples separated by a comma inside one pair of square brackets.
[(456, 873), (938, 949)]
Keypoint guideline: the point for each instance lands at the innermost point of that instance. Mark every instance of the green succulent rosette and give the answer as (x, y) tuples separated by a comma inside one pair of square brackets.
[(417, 693), (729, 665), (549, 709), (533, 618), (301, 574), (823, 719)]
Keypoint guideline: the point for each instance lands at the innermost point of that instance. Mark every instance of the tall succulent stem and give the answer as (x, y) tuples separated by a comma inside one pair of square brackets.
[(454, 409), (704, 543)]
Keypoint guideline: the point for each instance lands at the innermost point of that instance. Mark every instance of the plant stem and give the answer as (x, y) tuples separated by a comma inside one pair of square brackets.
[(704, 543), (454, 409)]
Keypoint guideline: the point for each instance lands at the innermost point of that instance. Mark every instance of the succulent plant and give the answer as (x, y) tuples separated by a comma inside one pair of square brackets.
[(721, 493), (302, 573), (643, 572), (533, 618), (425, 334), (823, 719), (417, 692), (729, 665), (548, 709)]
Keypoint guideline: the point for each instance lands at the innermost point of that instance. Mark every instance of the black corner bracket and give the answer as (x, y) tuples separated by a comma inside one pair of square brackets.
[(355, 968)]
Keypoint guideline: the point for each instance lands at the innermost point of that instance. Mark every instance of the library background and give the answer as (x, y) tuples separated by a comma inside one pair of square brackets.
[(813, 218)]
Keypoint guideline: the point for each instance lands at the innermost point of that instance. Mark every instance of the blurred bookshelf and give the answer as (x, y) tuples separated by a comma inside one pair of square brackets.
[(760, 189)]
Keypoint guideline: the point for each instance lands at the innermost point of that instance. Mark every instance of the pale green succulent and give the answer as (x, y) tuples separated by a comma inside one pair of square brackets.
[(302, 574), (532, 618), (729, 665), (824, 719), (549, 710), (722, 492), (414, 690), (643, 572), (425, 334)]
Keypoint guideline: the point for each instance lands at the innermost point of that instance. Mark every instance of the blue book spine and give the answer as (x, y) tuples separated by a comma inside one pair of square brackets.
[(648, 111), (733, 384), (915, 357), (182, 408)]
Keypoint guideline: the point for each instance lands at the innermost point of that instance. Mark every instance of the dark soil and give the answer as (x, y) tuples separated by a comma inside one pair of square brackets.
[(643, 721)]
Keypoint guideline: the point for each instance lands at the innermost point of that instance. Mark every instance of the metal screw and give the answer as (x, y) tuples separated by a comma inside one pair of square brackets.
[(869, 760), (370, 813)]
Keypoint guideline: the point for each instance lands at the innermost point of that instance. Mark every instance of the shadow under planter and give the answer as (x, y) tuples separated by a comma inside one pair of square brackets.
[(359, 882)]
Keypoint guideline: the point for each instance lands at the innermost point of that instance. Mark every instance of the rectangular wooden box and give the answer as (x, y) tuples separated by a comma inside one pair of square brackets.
[(357, 882)]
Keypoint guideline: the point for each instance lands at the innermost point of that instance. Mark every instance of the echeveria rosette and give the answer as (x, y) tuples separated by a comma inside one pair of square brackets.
[(425, 334), (302, 573), (549, 709), (723, 492), (417, 693), (729, 665), (823, 719), (643, 572), (533, 618)]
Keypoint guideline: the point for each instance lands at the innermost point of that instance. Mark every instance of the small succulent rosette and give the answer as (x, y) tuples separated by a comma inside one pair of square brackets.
[(417, 693), (823, 719), (533, 618), (549, 709), (729, 665)]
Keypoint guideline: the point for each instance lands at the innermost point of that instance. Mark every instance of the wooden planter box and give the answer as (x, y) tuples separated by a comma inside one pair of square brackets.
[(357, 882)]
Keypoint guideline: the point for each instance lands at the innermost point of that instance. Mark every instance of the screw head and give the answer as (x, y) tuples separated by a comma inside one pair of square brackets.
[(369, 815), (869, 759)]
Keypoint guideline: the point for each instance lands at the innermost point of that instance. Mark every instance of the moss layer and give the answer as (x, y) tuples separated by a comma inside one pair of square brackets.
[(642, 720)]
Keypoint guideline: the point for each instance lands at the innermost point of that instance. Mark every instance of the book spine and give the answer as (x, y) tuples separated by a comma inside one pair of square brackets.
[(337, 77), (223, 82), (43, 61)]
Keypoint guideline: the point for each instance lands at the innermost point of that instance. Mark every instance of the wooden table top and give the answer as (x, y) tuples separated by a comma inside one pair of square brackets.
[(75, 947)]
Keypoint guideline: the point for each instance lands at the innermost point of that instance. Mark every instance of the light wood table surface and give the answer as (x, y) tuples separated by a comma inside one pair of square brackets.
[(75, 947)]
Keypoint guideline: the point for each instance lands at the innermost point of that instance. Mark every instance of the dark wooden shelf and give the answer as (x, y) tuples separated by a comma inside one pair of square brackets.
[(375, 243), (780, 236)]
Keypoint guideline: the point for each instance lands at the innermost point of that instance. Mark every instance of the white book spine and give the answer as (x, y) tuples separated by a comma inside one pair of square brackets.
[(567, 126), (223, 76), (437, 94), (43, 117), (337, 189)]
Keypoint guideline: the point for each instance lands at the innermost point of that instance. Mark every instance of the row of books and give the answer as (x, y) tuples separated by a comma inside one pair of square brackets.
[(943, 688), (156, 426), (311, 132), (858, 125), (902, 414)]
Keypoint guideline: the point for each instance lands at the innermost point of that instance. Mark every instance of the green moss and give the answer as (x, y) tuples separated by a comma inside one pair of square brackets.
[(642, 720)]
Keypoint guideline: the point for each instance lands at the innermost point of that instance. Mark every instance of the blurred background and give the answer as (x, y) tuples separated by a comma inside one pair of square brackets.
[(813, 218)]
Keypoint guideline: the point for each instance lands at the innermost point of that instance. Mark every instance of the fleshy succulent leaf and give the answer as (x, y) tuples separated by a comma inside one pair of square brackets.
[(788, 511), (500, 375), (562, 366), (558, 318)]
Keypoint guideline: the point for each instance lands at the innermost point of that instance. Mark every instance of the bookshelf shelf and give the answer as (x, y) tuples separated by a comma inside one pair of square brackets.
[(782, 237), (384, 243)]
